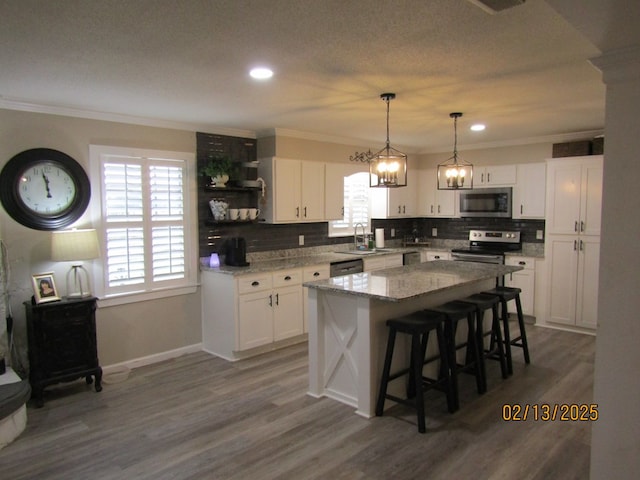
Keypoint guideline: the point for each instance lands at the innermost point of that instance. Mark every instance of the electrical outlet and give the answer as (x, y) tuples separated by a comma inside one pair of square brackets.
[(539, 234), (300, 240), (393, 232), (434, 232)]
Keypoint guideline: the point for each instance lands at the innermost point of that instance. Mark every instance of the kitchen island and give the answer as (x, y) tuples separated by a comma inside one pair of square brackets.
[(347, 315)]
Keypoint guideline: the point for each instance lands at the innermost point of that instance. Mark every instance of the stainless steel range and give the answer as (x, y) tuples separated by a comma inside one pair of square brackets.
[(488, 246)]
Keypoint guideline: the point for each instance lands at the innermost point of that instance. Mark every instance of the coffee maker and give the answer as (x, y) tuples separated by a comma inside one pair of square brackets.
[(236, 252)]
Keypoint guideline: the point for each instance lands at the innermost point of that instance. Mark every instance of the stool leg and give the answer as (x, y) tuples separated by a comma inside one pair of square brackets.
[(384, 381), (445, 370), (479, 349), (450, 336), (417, 379), (496, 330), (523, 332), (507, 334), (411, 384)]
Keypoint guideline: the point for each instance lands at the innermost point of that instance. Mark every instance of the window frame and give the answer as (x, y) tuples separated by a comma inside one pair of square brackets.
[(150, 290), (332, 232)]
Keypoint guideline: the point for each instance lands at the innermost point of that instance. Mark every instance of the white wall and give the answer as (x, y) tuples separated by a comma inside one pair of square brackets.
[(125, 332)]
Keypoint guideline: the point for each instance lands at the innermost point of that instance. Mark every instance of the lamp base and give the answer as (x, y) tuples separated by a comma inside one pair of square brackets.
[(80, 289), (79, 295)]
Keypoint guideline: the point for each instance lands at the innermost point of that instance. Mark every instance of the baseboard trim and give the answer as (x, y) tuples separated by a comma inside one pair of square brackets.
[(151, 359)]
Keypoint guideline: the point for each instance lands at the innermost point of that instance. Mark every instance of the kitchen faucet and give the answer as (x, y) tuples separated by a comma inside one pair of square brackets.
[(355, 235)]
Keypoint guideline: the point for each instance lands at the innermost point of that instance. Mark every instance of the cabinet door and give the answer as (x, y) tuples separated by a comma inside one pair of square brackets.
[(431, 201), (255, 319), (286, 190), (591, 201), (371, 264), (393, 261), (312, 192), (524, 280), (309, 274), (287, 312), (563, 198), (530, 191), (562, 252), (495, 176), (588, 270)]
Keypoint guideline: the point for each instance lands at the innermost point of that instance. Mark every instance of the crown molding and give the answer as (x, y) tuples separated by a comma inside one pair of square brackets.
[(14, 104)]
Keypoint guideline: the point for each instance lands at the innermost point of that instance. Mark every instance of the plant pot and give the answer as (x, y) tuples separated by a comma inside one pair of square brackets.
[(219, 181)]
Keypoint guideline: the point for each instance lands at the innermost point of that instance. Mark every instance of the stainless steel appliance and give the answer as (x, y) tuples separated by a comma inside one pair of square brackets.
[(488, 246), (345, 267), (410, 258), (486, 202)]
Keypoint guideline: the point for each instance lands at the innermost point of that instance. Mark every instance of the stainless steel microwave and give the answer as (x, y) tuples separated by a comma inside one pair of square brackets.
[(486, 202)]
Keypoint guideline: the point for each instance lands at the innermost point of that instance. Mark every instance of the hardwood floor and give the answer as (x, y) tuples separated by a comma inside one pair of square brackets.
[(199, 417)]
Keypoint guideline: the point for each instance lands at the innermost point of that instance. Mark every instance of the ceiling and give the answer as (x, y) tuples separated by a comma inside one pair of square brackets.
[(524, 72)]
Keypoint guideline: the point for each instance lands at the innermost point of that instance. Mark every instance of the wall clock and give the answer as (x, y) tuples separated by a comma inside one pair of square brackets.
[(44, 189)]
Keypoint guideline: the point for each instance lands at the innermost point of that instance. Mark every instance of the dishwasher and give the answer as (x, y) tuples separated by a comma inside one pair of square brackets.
[(345, 267)]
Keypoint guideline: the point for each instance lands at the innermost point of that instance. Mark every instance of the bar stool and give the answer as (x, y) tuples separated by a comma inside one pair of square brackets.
[(455, 311), (506, 294), (418, 325), (483, 302)]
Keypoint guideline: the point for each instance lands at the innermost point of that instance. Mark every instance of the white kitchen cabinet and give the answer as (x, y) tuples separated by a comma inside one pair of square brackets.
[(574, 195), (295, 190), (431, 255), (529, 193), (334, 176), (494, 176), (573, 267), (431, 201), (524, 279), (245, 312), (309, 274), (396, 202), (370, 264)]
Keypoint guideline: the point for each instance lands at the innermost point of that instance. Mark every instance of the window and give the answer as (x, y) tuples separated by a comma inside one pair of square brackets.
[(144, 220), (357, 206)]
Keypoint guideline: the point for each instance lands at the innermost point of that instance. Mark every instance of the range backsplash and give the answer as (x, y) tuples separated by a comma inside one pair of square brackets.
[(262, 237)]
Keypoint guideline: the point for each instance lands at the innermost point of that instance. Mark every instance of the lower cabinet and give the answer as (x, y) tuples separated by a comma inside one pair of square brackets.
[(309, 274), (381, 262), (266, 308), (524, 279), (430, 255)]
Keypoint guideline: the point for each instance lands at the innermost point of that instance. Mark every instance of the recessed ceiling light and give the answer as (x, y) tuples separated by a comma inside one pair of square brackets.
[(261, 73), (478, 127)]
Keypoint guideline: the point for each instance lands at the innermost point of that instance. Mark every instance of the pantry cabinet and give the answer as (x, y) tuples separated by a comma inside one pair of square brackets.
[(295, 190), (431, 201), (529, 193)]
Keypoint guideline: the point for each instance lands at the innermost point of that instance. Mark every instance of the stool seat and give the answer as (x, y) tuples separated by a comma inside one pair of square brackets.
[(506, 294), (418, 325)]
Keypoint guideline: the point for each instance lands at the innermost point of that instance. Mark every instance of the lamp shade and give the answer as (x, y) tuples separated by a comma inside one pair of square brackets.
[(72, 245)]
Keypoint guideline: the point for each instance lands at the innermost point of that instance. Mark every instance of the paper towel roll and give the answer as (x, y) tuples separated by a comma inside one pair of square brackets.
[(379, 237)]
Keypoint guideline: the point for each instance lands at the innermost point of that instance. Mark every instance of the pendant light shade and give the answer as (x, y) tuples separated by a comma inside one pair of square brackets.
[(387, 167), (455, 174)]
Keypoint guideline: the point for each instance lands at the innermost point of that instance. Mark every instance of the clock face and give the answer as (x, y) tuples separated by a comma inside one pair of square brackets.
[(47, 189), (44, 189)]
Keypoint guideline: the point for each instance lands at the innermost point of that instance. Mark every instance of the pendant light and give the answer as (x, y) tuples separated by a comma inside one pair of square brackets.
[(455, 174), (387, 167)]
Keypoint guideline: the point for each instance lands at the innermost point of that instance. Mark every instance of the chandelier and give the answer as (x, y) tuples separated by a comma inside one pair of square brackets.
[(454, 174), (387, 167)]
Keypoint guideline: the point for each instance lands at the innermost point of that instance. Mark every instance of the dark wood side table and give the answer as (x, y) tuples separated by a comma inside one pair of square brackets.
[(62, 344)]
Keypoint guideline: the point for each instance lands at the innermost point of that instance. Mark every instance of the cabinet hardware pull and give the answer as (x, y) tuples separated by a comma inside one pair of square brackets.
[(488, 178), (581, 245), (582, 226), (404, 209), (342, 212), (305, 212), (520, 209), (438, 208), (287, 277), (255, 283), (482, 178), (271, 300), (399, 208), (437, 257), (277, 299), (431, 208), (522, 263), (575, 226), (316, 274), (297, 212), (575, 245)]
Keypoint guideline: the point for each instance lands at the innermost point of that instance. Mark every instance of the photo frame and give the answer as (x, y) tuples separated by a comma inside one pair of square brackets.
[(44, 287)]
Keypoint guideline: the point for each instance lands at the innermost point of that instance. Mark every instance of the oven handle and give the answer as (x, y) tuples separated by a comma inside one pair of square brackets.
[(473, 257)]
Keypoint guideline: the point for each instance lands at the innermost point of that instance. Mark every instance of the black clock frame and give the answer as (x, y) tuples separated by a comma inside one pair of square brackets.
[(10, 184)]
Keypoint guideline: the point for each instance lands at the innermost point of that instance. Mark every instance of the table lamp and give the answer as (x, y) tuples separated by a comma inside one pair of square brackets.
[(75, 246)]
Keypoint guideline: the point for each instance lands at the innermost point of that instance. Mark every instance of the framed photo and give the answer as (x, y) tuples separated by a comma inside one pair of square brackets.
[(44, 288)]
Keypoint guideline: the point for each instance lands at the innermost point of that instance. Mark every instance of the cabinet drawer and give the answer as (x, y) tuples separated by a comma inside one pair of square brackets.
[(528, 263), (284, 278), (316, 272), (254, 283)]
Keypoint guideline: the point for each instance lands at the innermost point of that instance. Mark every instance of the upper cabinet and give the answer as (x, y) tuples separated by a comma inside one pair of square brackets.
[(574, 195), (431, 201), (494, 176), (530, 191), (396, 202), (295, 190)]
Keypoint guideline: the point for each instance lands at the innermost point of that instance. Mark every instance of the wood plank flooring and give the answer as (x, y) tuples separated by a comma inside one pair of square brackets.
[(200, 417)]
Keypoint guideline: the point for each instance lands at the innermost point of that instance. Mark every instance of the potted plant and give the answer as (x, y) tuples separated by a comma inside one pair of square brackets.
[(218, 169)]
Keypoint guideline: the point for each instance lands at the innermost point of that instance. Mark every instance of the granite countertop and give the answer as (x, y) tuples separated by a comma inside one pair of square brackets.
[(402, 283)]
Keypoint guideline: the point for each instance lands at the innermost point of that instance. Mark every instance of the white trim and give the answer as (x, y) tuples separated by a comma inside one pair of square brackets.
[(134, 297), (151, 359)]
